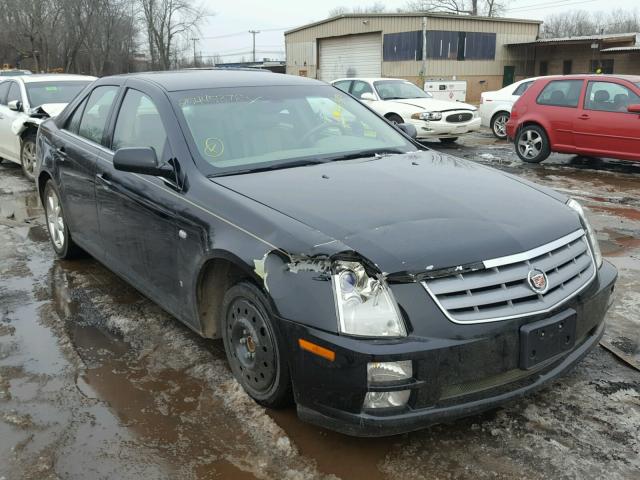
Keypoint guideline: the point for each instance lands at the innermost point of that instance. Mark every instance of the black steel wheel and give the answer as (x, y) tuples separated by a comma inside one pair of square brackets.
[(394, 118), (254, 347)]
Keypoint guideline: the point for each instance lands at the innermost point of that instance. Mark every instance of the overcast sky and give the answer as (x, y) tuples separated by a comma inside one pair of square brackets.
[(233, 19)]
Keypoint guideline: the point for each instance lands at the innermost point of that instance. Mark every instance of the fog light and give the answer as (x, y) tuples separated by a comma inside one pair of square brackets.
[(384, 372), (386, 399)]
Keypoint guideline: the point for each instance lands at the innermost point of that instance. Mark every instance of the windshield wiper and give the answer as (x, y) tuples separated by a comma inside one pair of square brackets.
[(277, 166), (378, 152)]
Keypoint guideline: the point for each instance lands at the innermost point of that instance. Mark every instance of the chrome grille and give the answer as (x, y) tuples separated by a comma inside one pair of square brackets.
[(501, 290), (459, 117)]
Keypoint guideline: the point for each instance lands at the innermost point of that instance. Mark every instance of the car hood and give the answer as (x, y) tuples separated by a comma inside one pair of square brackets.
[(413, 212), (434, 105)]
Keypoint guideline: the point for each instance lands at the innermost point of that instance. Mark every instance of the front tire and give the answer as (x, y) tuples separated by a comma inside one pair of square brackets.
[(394, 119), (499, 124), (59, 234), (254, 346), (532, 144), (28, 155)]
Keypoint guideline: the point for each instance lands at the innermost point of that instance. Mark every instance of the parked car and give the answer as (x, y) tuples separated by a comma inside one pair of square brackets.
[(381, 285), (14, 73), (24, 103), (592, 115), (400, 101), (495, 107)]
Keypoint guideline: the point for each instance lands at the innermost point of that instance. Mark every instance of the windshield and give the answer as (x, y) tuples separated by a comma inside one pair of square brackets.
[(251, 128), (40, 93), (398, 89)]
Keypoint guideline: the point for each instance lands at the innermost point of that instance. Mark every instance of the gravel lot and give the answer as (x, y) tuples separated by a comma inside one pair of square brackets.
[(98, 382)]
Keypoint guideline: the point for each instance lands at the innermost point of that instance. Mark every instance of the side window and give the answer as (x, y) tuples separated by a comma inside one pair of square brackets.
[(14, 93), (4, 89), (96, 112), (609, 97), (343, 85), (359, 88), (139, 124), (561, 93), (522, 88), (73, 122)]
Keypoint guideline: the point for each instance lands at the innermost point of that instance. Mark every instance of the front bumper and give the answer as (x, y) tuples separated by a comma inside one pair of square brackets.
[(443, 129), (453, 377)]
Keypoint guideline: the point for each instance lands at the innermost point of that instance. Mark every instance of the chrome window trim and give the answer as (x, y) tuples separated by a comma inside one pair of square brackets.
[(521, 257)]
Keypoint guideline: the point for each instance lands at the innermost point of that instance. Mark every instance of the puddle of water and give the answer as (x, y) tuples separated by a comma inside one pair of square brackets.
[(20, 207)]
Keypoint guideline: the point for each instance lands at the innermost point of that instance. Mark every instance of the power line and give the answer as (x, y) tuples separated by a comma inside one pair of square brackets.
[(544, 6), (235, 34)]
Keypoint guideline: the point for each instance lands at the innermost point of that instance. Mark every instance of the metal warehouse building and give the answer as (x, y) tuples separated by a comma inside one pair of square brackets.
[(392, 45)]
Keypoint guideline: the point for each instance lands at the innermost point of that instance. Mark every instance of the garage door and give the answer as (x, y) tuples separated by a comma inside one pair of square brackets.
[(350, 56)]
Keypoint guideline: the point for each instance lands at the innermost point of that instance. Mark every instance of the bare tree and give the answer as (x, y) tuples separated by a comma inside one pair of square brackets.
[(166, 21), (377, 7), (488, 8)]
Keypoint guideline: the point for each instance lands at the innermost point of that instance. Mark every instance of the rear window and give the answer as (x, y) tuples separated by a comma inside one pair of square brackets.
[(561, 93), (522, 88), (41, 93)]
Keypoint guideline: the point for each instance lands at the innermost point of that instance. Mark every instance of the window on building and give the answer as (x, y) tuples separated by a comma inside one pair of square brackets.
[(544, 68), (441, 45), (561, 93), (602, 66), (609, 97), (567, 65)]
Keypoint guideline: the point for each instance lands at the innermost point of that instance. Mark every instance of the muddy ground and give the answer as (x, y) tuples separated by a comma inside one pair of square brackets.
[(97, 382)]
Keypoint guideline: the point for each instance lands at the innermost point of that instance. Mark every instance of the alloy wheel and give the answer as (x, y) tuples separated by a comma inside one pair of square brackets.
[(500, 125), (530, 144), (28, 158), (55, 220)]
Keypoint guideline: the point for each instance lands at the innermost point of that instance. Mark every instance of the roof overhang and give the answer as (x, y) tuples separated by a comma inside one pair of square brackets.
[(586, 39)]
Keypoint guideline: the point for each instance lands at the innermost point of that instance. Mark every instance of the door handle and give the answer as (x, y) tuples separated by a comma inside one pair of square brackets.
[(61, 153), (103, 180), (584, 116)]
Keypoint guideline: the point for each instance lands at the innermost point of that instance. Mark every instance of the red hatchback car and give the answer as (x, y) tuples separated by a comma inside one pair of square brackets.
[(595, 115)]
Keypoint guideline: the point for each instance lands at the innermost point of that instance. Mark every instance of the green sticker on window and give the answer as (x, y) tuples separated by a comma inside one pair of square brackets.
[(51, 88)]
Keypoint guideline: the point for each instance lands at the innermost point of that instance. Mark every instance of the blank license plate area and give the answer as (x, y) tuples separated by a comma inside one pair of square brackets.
[(544, 339)]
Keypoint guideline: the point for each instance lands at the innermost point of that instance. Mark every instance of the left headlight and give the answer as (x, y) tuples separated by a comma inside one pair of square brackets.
[(365, 305), (591, 234), (427, 116)]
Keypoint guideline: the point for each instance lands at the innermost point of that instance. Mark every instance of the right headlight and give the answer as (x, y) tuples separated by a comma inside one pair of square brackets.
[(591, 234), (433, 116), (365, 305)]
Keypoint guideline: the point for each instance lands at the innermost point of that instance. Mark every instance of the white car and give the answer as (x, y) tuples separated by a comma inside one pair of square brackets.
[(495, 107), (400, 101), (25, 102)]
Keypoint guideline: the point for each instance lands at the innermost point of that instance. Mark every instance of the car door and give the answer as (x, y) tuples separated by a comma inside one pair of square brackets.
[(77, 150), (4, 111), (557, 106), (10, 141), (604, 126), (135, 211)]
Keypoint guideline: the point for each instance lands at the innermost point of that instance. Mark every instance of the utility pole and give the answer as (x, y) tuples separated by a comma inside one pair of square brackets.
[(195, 61), (254, 33)]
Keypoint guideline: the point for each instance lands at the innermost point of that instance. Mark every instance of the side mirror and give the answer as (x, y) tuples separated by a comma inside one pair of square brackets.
[(368, 96), (409, 129), (15, 105), (140, 160), (634, 108)]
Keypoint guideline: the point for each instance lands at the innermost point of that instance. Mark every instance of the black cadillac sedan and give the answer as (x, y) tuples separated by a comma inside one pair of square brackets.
[(380, 285)]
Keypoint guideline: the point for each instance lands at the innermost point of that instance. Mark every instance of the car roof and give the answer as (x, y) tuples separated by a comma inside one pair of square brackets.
[(370, 79), (593, 76), (193, 79), (45, 77)]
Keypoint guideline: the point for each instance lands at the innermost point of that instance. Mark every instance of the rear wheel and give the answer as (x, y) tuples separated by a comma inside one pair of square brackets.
[(499, 124), (449, 139), (532, 144), (254, 346), (28, 155), (61, 240)]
